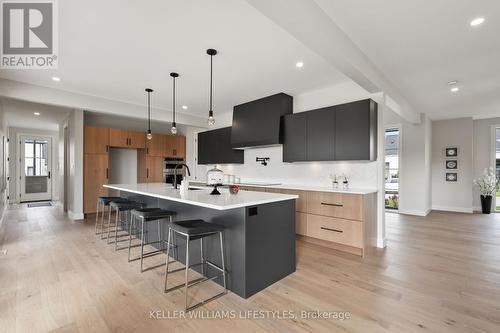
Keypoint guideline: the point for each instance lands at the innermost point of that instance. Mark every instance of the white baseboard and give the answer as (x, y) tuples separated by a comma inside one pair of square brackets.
[(454, 209), (75, 216), (414, 212)]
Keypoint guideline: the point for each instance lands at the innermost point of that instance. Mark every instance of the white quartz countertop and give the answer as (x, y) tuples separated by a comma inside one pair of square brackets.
[(202, 197), (314, 188)]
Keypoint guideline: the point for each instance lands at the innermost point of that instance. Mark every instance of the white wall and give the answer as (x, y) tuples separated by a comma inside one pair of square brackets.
[(122, 167), (415, 174), (452, 196), (14, 166), (74, 124), (4, 152), (483, 151)]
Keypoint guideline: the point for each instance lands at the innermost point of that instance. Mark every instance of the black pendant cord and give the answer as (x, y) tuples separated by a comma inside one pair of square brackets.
[(211, 75), (173, 106), (149, 112)]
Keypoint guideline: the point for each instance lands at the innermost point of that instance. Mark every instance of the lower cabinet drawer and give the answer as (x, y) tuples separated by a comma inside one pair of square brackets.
[(341, 205), (336, 230)]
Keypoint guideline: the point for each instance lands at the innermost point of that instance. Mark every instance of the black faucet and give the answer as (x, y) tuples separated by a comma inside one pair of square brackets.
[(175, 173)]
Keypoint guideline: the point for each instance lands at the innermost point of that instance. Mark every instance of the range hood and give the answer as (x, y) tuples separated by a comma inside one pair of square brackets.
[(258, 123)]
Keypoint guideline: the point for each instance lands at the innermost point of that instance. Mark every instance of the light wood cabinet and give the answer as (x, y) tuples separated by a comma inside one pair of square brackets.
[(149, 168), (96, 140), (126, 139), (301, 224), (118, 138), (342, 205), (300, 203), (95, 175), (157, 145), (137, 140), (336, 230), (175, 146)]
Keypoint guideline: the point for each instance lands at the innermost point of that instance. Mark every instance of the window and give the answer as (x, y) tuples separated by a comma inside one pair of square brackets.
[(35, 157)]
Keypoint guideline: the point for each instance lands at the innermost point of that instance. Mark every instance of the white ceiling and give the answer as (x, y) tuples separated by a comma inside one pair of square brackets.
[(421, 45), (115, 49), (21, 114)]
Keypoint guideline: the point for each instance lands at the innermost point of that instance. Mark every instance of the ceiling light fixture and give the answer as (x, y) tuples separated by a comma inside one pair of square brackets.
[(174, 125), (184, 107), (211, 119), (454, 89), (453, 86), (300, 64), (149, 135), (55, 78), (477, 21), (36, 113)]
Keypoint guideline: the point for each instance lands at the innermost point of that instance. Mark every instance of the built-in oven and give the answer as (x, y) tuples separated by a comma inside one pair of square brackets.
[(168, 170)]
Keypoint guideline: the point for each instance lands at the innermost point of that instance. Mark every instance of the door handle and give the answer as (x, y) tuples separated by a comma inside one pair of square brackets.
[(330, 204), (49, 174)]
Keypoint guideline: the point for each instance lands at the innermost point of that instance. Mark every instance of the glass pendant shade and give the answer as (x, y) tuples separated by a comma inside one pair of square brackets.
[(149, 135), (173, 129), (211, 119)]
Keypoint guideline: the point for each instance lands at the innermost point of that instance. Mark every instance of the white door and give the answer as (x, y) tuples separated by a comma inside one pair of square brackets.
[(36, 168)]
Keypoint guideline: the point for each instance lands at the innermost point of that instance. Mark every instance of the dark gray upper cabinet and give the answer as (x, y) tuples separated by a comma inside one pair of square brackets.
[(294, 136), (356, 131), (258, 123), (214, 147), (346, 132), (321, 134)]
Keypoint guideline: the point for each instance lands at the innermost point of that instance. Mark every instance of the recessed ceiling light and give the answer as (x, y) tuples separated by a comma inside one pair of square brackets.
[(452, 83), (55, 78), (454, 89), (185, 107), (36, 113), (300, 64), (477, 21)]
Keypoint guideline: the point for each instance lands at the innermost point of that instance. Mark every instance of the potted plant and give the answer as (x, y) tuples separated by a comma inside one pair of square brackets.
[(487, 185)]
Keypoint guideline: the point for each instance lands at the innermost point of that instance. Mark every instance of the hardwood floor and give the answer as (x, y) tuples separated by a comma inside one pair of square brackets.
[(440, 273)]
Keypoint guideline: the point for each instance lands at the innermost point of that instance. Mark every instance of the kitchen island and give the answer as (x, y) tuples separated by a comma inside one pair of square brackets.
[(259, 230)]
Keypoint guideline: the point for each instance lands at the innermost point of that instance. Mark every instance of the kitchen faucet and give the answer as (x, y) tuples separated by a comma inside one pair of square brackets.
[(175, 173)]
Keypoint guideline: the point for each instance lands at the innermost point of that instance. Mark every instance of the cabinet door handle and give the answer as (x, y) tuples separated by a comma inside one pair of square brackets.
[(107, 148), (175, 152), (107, 173), (147, 173), (332, 204), (334, 230), (147, 151)]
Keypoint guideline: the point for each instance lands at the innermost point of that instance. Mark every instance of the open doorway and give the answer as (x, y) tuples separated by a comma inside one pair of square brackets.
[(392, 168), (35, 168), (496, 165)]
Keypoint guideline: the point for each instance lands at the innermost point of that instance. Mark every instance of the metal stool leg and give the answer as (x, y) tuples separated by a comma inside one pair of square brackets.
[(223, 260), (132, 222), (97, 216), (187, 271), (202, 258), (168, 259), (160, 243), (109, 224), (118, 219), (142, 242)]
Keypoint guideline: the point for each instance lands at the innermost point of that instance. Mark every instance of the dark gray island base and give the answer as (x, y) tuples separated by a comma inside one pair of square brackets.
[(259, 241)]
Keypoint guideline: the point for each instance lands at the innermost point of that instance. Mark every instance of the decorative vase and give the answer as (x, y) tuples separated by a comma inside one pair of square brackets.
[(486, 203)]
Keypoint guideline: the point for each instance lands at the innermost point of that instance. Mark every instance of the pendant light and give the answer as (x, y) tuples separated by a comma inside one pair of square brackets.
[(174, 125), (149, 135), (211, 119)]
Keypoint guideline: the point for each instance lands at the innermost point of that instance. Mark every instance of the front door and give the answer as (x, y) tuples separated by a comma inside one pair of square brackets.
[(36, 172)]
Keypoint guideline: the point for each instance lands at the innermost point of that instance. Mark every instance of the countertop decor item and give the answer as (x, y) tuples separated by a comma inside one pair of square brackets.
[(487, 185), (149, 135), (234, 189), (335, 181), (173, 129), (215, 177), (345, 183)]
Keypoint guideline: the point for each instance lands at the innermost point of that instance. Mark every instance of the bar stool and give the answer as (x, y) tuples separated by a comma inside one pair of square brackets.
[(193, 230), (149, 215), (121, 206), (102, 202)]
